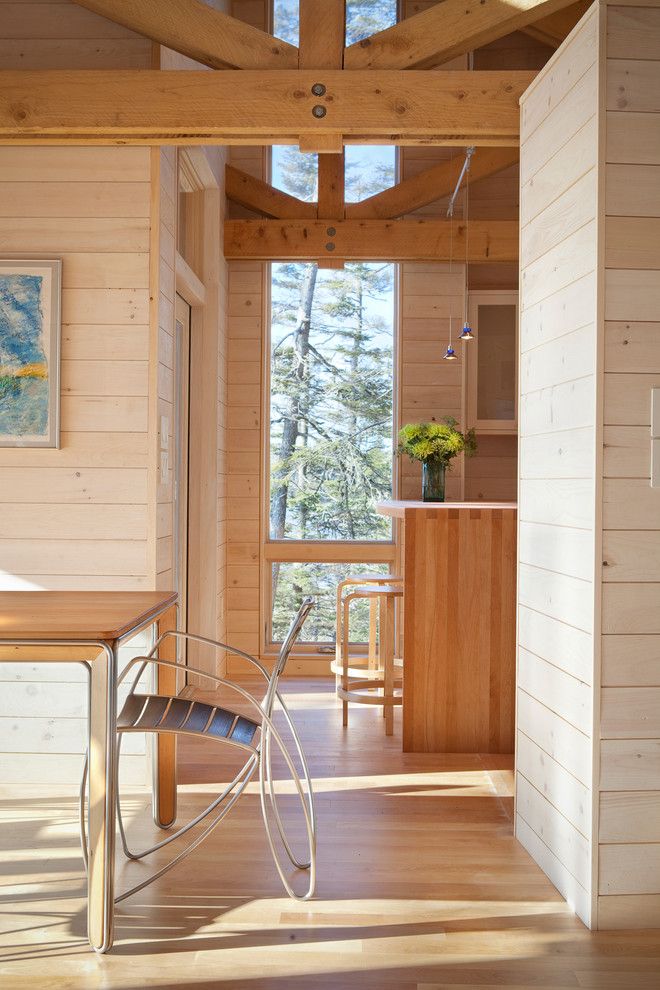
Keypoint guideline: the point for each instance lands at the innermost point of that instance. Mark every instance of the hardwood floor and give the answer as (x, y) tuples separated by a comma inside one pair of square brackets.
[(421, 885)]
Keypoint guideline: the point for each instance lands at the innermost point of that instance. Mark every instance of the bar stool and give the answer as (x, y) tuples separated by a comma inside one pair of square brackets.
[(360, 689), (359, 665)]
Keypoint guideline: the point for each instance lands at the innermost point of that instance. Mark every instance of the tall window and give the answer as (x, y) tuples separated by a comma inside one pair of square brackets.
[(331, 401), (331, 385)]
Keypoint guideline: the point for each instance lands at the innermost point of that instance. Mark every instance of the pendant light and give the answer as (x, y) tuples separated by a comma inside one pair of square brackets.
[(466, 333), (450, 353)]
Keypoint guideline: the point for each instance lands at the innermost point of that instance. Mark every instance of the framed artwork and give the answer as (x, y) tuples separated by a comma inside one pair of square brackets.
[(30, 293)]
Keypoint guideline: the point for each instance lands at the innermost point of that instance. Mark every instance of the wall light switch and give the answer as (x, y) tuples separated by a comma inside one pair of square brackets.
[(655, 412), (655, 462), (165, 432)]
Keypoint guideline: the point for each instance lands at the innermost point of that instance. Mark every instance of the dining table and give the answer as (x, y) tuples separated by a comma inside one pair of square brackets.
[(89, 627)]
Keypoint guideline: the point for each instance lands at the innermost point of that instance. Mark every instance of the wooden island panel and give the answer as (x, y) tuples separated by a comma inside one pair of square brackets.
[(459, 626)]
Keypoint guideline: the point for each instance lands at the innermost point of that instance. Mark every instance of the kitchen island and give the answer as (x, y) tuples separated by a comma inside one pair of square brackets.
[(459, 571)]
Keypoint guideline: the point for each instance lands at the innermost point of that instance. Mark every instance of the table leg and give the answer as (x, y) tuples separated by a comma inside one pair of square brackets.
[(164, 755), (102, 798)]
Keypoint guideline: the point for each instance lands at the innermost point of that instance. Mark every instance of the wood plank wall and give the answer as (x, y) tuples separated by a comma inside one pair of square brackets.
[(78, 516), (629, 830), (557, 593), (430, 387), (57, 34), (102, 517)]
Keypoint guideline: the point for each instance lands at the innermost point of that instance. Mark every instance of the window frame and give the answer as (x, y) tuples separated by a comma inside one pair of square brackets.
[(315, 551), (477, 298)]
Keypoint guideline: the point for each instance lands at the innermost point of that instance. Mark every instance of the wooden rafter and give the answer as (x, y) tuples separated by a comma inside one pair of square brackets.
[(371, 240), (197, 30), (429, 185), (257, 195), (444, 31), (198, 107), (404, 197), (553, 29)]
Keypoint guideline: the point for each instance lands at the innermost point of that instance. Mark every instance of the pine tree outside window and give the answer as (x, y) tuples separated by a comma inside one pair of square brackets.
[(332, 345)]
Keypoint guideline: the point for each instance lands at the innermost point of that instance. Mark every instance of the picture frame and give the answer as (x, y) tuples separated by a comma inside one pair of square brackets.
[(30, 335)]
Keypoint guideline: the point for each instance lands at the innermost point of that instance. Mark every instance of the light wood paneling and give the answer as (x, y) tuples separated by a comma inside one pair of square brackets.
[(567, 746), (568, 795), (631, 660), (629, 835), (561, 645), (558, 547), (77, 517), (630, 765), (630, 816)]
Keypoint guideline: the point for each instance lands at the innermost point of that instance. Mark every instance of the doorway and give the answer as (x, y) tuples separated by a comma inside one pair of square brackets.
[(180, 467)]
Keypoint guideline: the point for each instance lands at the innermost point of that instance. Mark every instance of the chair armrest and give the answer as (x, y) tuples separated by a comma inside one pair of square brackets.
[(216, 644)]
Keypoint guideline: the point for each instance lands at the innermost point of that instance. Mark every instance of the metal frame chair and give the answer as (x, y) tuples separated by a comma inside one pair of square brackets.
[(165, 713)]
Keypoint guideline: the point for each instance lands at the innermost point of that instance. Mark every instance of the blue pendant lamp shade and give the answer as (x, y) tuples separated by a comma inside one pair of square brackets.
[(450, 354), (466, 333)]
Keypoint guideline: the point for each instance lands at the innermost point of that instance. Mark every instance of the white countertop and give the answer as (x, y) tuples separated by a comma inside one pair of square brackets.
[(397, 508)]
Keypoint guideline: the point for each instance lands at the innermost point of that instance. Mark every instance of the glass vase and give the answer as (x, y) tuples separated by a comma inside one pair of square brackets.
[(433, 481)]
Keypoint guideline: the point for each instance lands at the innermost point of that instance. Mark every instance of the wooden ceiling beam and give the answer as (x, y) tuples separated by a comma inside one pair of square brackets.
[(257, 195), (371, 240), (431, 184), (271, 107), (200, 32), (444, 31)]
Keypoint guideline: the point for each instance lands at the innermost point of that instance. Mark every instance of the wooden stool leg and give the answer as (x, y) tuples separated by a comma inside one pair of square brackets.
[(338, 633), (382, 623), (373, 634), (387, 655)]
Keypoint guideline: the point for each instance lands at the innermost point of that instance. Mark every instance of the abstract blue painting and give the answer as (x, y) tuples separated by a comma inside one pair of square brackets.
[(29, 353)]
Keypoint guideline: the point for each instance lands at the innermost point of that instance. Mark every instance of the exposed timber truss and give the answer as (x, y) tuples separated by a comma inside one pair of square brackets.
[(320, 95)]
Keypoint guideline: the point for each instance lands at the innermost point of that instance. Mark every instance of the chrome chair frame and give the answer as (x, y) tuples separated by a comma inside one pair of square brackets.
[(260, 757)]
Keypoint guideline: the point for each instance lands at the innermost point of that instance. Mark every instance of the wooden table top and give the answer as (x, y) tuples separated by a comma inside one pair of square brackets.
[(78, 615), (397, 508)]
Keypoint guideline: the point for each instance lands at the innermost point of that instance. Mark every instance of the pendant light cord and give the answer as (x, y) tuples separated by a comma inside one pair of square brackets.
[(451, 261), (467, 238)]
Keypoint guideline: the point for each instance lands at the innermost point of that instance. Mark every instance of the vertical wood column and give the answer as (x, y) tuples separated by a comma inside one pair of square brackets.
[(322, 33)]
